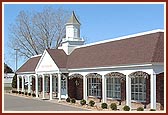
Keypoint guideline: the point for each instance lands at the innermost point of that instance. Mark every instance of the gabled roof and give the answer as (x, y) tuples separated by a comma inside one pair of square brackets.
[(136, 50), (148, 48), (29, 65), (59, 57), (73, 19)]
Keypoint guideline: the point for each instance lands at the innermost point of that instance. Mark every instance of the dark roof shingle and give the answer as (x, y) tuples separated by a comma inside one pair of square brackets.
[(29, 65), (141, 49)]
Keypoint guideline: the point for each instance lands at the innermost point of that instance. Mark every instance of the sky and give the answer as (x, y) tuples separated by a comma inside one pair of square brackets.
[(99, 21)]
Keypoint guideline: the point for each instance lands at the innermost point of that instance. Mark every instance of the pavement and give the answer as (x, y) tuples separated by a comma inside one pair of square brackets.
[(16, 103)]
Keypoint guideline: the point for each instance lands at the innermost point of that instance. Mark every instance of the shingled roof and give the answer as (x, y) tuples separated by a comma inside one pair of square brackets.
[(29, 65), (59, 57), (136, 50), (148, 48)]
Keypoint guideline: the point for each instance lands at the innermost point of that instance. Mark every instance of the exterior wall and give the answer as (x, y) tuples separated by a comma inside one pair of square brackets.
[(8, 79), (160, 90)]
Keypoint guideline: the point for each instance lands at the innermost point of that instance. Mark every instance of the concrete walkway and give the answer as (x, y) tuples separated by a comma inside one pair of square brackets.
[(15, 103)]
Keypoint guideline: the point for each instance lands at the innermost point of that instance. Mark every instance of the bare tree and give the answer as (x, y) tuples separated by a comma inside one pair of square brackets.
[(32, 33)]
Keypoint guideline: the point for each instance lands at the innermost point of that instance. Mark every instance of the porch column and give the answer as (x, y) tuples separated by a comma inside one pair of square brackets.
[(104, 89), (50, 86), (59, 86), (128, 91), (43, 77), (22, 83), (84, 88), (18, 88), (153, 90), (28, 84), (36, 78)]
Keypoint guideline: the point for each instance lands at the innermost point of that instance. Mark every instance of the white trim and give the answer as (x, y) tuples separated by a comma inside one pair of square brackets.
[(111, 67), (36, 56), (121, 38)]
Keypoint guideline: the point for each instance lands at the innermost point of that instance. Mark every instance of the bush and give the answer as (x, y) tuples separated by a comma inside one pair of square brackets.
[(140, 109), (113, 106), (34, 95), (104, 105), (29, 94), (68, 99), (126, 108), (16, 92), (73, 100), (20, 92), (152, 109), (91, 103), (13, 91), (83, 102), (25, 93)]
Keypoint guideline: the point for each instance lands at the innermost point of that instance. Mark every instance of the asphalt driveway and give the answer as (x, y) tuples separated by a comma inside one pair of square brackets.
[(14, 103)]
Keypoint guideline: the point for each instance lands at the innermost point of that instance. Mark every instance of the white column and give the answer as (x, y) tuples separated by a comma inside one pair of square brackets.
[(28, 84), (84, 88), (128, 91), (36, 78), (104, 89), (59, 86), (66, 86), (50, 86), (43, 77), (18, 83), (153, 90), (22, 83)]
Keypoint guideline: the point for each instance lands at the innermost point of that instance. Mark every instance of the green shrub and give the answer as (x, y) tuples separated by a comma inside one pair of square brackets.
[(152, 109), (104, 105), (83, 102), (20, 92), (33, 94), (126, 108), (140, 109), (113, 106), (73, 100), (68, 99), (29, 94), (25, 93), (13, 91), (16, 92), (91, 103)]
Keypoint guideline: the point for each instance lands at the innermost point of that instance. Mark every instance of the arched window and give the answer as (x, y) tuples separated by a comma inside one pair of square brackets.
[(94, 82), (113, 83), (138, 86)]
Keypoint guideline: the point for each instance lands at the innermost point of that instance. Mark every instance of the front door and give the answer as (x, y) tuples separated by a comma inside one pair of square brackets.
[(63, 87)]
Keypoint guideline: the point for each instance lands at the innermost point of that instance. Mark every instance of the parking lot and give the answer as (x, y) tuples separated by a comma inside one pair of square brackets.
[(15, 103)]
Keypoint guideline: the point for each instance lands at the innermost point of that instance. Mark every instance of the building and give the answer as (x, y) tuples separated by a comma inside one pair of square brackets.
[(128, 69), (8, 80)]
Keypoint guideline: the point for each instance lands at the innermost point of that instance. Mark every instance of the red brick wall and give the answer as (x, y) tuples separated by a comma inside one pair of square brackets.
[(160, 89)]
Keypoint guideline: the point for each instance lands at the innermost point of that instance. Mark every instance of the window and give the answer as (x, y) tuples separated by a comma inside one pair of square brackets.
[(113, 87), (94, 87), (138, 89), (55, 84)]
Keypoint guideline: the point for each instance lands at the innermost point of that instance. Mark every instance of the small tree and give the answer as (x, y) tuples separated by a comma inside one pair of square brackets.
[(14, 81)]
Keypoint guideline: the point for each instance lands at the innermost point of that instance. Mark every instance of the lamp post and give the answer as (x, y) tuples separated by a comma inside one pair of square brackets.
[(16, 57)]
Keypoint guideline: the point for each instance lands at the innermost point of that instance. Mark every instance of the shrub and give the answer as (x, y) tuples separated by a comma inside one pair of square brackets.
[(68, 99), (29, 94), (113, 106), (33, 94), (16, 92), (20, 92), (140, 109), (104, 105), (91, 103), (152, 109), (126, 108), (73, 100), (25, 93), (13, 91), (83, 102)]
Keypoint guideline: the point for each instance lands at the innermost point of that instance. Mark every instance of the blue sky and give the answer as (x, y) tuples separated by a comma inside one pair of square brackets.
[(99, 21)]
